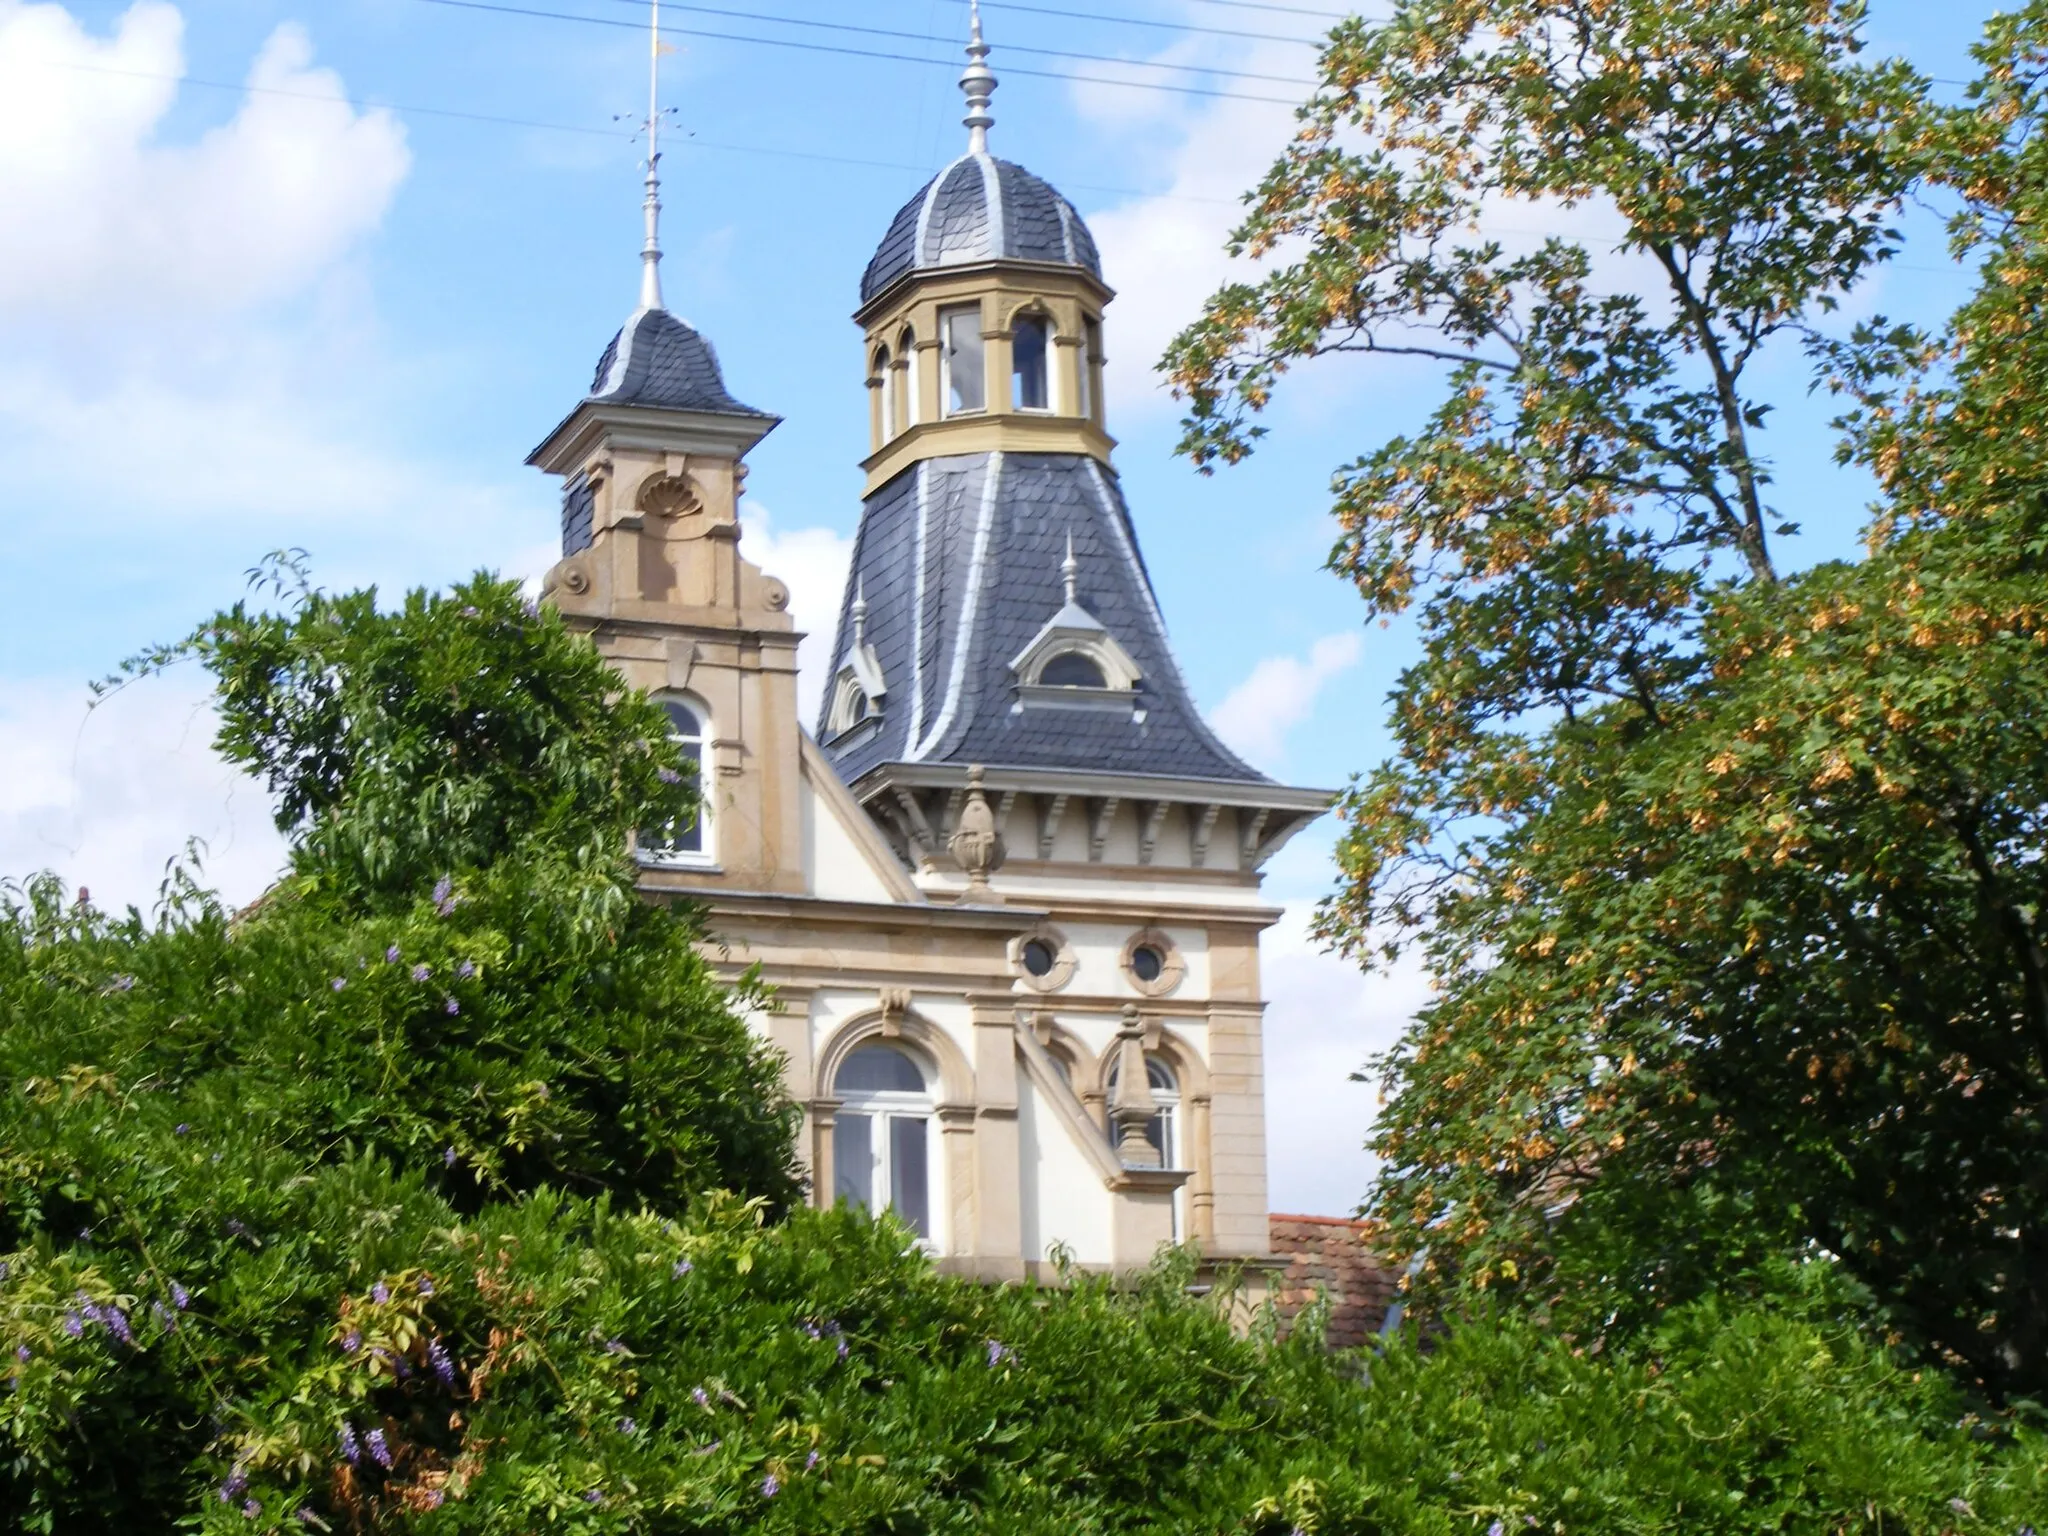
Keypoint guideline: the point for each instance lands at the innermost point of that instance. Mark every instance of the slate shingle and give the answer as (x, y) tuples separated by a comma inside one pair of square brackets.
[(952, 220), (967, 625), (579, 502), (666, 363)]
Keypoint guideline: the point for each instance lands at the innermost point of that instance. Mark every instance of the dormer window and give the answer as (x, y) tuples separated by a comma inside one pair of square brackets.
[(1072, 669), (965, 384), (1029, 338)]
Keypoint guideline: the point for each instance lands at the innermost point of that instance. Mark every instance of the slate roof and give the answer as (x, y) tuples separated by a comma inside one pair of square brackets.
[(1327, 1255), (980, 208), (657, 359), (959, 559)]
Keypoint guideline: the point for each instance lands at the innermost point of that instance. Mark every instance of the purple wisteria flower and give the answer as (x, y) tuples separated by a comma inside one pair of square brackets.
[(251, 1508), (592, 1496), (628, 1427), (166, 1319), (811, 1462), (121, 984), (465, 970), (1497, 1529), (427, 1281), (683, 1267), (444, 1367), (771, 1485), (391, 954), (74, 1325), (814, 1330), (447, 1157), (379, 1451), (351, 1448), (23, 1352), (450, 1006), (422, 971), (668, 776), (380, 1293), (234, 1485), (180, 1297), (700, 1397), (116, 1323), (998, 1352), (469, 610), (235, 1228), (616, 1347), (842, 1349), (181, 1129), (352, 1341), (444, 895), (305, 1516), (338, 983)]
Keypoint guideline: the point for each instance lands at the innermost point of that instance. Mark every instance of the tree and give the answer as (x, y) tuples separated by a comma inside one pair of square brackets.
[(1686, 842)]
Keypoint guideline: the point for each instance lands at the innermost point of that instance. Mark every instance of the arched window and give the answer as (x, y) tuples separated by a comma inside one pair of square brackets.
[(965, 385), (885, 383), (1072, 669), (685, 840), (1029, 336), (881, 1137), (905, 382)]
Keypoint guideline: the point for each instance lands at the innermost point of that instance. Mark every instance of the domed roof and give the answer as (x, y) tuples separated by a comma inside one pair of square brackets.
[(657, 359), (980, 208)]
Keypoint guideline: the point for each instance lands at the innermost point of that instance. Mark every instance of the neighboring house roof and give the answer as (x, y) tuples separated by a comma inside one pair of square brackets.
[(1328, 1254), (657, 359), (960, 562), (980, 208)]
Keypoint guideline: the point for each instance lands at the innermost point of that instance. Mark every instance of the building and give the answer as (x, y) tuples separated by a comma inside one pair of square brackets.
[(1007, 891)]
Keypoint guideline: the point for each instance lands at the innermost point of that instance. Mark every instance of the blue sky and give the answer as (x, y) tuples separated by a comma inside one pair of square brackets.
[(234, 319)]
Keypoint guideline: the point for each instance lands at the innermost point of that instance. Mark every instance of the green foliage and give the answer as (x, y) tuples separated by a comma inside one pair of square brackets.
[(446, 1208), (1728, 882)]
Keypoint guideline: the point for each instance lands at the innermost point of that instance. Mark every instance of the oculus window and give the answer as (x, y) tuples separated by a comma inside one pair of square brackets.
[(965, 385), (683, 840), (881, 1137), (1029, 337)]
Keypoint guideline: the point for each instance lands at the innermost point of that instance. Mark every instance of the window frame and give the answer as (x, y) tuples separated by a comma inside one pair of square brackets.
[(705, 854), (883, 1108), (949, 318)]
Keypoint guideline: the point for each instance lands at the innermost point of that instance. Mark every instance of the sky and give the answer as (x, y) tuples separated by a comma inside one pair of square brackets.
[(318, 274)]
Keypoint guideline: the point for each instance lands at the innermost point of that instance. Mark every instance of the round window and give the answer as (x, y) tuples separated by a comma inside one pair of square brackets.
[(1039, 958), (1147, 963)]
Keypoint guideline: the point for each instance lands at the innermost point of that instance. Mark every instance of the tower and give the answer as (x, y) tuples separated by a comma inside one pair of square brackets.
[(1007, 899), (1002, 644)]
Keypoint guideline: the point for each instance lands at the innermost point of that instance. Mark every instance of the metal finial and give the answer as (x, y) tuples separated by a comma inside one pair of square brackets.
[(977, 84), (1070, 568), (650, 253), (860, 610)]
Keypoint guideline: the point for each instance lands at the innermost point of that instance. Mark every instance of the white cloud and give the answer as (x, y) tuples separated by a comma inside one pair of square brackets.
[(1164, 254), (103, 218), (106, 798), (1325, 1019), (812, 563), (1280, 693)]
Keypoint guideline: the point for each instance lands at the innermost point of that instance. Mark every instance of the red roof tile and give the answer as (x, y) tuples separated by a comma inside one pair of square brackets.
[(1329, 1254)]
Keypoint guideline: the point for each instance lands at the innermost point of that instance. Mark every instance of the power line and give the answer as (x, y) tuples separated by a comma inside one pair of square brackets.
[(1146, 21), (1007, 48), (361, 104), (868, 53)]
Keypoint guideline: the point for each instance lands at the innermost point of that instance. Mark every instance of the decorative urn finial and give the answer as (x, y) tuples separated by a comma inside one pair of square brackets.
[(976, 845), (1131, 1105)]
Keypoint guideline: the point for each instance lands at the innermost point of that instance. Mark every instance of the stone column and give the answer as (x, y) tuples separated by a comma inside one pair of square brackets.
[(998, 1240)]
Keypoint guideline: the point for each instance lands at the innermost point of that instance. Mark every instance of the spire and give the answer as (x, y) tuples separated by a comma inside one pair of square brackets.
[(1070, 569), (650, 253), (977, 84)]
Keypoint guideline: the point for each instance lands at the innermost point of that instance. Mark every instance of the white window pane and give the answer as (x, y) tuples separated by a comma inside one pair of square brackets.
[(878, 1069), (966, 374), (853, 1159), (909, 1182)]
